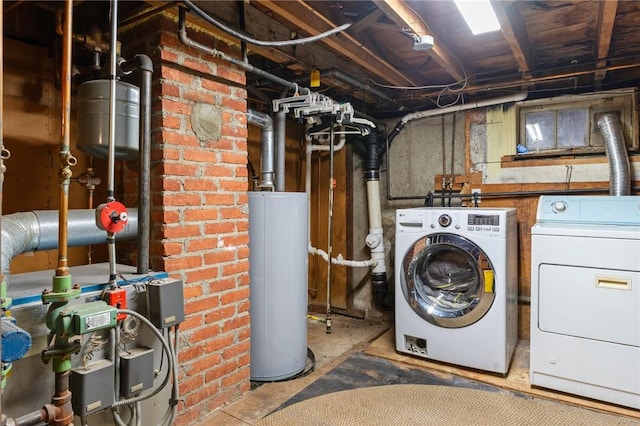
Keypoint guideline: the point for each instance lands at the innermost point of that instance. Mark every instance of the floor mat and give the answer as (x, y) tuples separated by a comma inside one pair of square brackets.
[(360, 370), (411, 404)]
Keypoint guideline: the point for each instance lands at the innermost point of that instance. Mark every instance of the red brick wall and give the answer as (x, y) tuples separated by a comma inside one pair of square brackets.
[(199, 208)]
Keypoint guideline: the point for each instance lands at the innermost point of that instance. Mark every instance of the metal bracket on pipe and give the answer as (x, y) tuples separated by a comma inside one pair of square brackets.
[(357, 126), (314, 105)]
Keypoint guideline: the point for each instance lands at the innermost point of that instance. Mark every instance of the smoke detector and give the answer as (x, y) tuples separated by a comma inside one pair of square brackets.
[(423, 42)]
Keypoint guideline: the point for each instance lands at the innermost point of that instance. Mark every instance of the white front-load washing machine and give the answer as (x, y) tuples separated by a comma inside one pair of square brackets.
[(456, 285)]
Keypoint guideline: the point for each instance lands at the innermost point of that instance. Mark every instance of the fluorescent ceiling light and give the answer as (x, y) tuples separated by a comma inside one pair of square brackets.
[(479, 15)]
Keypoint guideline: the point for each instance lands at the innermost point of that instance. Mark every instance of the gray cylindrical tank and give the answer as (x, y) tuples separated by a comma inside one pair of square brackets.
[(278, 290), (93, 119)]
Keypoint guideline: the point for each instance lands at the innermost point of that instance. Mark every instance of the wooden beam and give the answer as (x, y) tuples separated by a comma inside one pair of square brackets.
[(366, 21), (606, 19), (301, 15), (405, 17), (515, 33)]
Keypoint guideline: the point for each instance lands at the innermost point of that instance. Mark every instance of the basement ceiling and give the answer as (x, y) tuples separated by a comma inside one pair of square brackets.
[(546, 48)]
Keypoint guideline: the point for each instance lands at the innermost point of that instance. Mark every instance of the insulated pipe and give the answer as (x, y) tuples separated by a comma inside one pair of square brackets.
[(281, 149), (144, 64), (432, 112), (619, 167), (267, 146), (37, 230), (243, 37), (182, 36)]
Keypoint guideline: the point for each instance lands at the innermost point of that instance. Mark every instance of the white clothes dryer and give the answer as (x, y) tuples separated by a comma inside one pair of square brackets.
[(585, 297), (456, 285)]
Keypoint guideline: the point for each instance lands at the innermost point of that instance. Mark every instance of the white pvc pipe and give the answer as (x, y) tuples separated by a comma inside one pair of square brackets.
[(375, 239), (520, 96), (375, 223)]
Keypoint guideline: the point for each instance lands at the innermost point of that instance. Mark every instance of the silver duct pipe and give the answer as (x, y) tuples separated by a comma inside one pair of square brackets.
[(38, 230), (619, 167), (267, 147), (281, 149)]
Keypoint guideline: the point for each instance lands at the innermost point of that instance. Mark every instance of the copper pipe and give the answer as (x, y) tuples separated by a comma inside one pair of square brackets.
[(66, 159)]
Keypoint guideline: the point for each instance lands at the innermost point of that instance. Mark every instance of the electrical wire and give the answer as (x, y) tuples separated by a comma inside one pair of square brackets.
[(450, 88), (172, 371), (255, 42)]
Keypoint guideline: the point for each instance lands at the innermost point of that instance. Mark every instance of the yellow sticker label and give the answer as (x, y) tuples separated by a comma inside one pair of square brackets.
[(488, 281), (314, 78)]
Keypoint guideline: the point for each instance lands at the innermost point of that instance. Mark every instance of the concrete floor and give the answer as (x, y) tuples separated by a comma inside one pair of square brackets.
[(348, 335)]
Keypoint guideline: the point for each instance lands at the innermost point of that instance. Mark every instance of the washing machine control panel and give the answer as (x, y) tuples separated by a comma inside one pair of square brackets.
[(483, 223), (449, 220)]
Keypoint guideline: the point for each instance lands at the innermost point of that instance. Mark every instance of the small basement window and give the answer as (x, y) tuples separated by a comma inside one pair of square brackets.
[(562, 125)]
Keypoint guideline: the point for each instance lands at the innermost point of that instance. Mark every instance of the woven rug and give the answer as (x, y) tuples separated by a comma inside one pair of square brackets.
[(409, 404)]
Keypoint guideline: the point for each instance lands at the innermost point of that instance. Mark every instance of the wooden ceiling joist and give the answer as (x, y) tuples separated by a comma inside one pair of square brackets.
[(366, 21), (303, 16), (515, 33), (606, 19), (405, 17)]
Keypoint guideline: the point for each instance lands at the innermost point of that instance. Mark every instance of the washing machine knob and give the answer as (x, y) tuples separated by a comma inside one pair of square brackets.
[(559, 206), (444, 220)]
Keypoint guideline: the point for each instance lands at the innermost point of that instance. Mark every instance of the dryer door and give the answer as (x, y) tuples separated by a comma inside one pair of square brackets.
[(448, 280)]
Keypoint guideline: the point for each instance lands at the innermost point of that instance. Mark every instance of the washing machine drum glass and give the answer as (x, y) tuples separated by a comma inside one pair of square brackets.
[(448, 280)]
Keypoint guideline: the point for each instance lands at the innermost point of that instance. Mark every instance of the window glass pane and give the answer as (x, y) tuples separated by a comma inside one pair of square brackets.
[(572, 128), (539, 130)]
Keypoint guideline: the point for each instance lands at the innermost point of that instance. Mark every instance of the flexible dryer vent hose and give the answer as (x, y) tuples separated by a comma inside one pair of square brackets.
[(619, 167)]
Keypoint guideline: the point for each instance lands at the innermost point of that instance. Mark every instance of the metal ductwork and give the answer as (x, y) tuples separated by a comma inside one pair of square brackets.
[(267, 147), (38, 230), (619, 167)]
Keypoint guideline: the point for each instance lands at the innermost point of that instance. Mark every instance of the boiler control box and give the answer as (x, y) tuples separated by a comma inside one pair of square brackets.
[(92, 387), (136, 371), (165, 300)]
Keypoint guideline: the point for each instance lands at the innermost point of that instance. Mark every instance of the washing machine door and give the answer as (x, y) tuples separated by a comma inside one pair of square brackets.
[(448, 280)]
